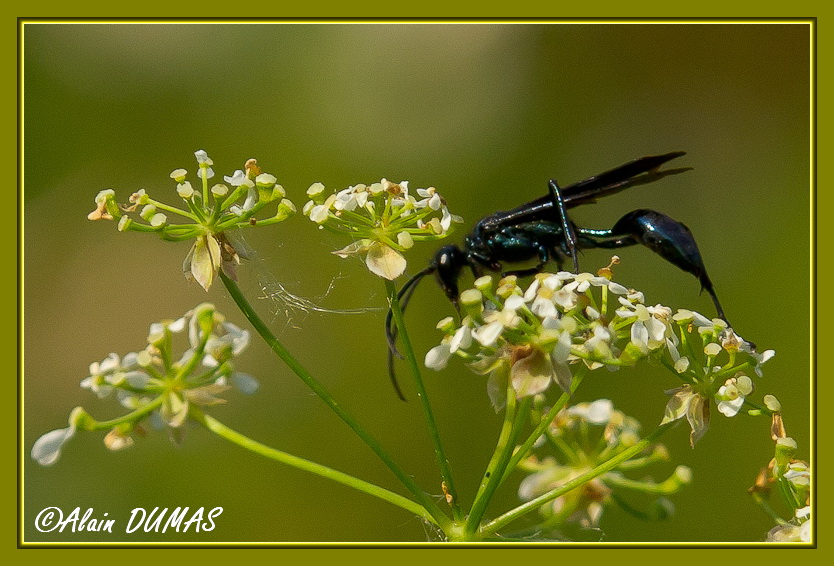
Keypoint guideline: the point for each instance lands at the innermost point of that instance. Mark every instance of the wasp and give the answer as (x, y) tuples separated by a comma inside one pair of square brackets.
[(542, 230)]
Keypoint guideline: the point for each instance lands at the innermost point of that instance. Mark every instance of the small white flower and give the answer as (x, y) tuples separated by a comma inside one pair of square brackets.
[(315, 189), (319, 213), (185, 190), (760, 358), (205, 170), (265, 180), (565, 298), (236, 179)]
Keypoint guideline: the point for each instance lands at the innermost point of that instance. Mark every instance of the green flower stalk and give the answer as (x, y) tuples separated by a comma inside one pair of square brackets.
[(383, 219), (211, 212)]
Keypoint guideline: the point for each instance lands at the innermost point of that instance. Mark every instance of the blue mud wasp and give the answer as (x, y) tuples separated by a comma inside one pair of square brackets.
[(542, 230)]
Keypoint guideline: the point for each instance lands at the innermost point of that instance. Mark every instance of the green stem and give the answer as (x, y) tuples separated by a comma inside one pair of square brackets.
[(235, 437), (89, 423), (260, 327), (667, 487), (545, 421), (493, 526), (442, 461), (204, 178), (172, 209), (513, 421)]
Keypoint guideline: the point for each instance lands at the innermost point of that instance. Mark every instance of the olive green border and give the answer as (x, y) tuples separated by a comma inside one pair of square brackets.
[(820, 205)]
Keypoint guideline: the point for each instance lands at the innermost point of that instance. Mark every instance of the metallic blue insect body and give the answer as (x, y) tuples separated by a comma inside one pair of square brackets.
[(541, 230)]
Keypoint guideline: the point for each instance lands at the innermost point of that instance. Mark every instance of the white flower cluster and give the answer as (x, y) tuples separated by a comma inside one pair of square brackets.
[(581, 437), (141, 375), (155, 378), (538, 335), (382, 218), (209, 213)]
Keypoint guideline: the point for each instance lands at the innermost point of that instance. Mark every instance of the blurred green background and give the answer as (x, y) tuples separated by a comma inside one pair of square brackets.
[(487, 113)]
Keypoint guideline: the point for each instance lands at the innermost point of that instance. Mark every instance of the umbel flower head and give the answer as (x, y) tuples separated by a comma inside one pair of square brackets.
[(580, 438), (155, 384), (383, 219), (792, 479), (538, 336), (210, 213)]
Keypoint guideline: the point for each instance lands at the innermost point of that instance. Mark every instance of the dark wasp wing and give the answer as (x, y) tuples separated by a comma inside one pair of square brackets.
[(637, 172)]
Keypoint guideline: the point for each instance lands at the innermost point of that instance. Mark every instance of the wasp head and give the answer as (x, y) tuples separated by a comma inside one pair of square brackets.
[(447, 264)]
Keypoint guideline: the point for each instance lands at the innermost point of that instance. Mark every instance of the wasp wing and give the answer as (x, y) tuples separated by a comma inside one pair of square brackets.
[(637, 172)]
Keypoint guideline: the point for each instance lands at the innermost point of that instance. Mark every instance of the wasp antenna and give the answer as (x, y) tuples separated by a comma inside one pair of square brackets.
[(393, 375), (403, 296)]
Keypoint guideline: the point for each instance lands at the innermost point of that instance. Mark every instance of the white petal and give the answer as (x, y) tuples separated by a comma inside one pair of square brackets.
[(385, 261), (656, 328), (319, 213), (673, 350), (315, 189), (237, 178), (531, 291), (730, 408), (487, 335), (245, 383), (47, 449), (544, 308), (681, 365), (176, 326), (616, 288), (405, 240), (640, 336), (561, 351), (461, 340), (109, 363), (514, 302), (599, 411), (438, 357), (701, 320)]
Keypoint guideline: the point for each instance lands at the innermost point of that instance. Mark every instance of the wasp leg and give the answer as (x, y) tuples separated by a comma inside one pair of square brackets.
[(665, 236), (567, 225)]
